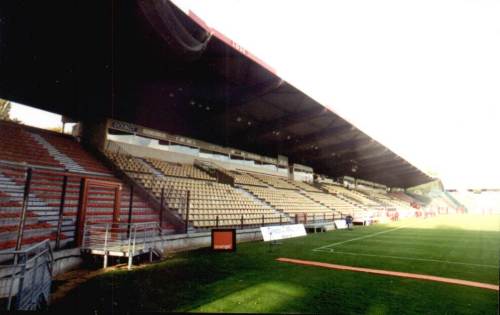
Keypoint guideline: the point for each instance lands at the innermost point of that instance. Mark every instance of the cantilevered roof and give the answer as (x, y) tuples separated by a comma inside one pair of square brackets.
[(148, 63)]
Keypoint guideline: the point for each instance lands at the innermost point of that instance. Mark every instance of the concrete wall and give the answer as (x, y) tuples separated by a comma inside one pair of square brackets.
[(70, 259), (176, 157), (144, 152), (66, 260), (94, 133)]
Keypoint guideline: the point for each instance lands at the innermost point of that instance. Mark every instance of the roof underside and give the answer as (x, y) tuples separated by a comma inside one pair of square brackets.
[(130, 63)]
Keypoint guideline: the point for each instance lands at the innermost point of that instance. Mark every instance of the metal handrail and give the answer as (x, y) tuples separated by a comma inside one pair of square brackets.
[(112, 237), (24, 276), (282, 219), (51, 169), (114, 147)]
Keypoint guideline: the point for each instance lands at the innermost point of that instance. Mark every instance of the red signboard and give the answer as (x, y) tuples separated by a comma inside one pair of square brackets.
[(224, 239)]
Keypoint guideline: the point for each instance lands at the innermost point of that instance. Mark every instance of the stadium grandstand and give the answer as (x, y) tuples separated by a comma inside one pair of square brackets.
[(180, 133)]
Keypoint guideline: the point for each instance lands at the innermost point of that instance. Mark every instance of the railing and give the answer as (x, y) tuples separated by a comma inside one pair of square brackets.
[(41, 168), (121, 239), (316, 218), (47, 198), (206, 166), (240, 222), (116, 148), (175, 201), (243, 222), (213, 169), (26, 282), (166, 213)]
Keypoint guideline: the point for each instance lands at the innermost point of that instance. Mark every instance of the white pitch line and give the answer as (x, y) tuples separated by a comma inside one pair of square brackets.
[(360, 238), (408, 258)]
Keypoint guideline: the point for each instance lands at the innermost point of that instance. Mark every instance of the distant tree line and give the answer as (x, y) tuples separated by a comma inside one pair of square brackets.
[(5, 107)]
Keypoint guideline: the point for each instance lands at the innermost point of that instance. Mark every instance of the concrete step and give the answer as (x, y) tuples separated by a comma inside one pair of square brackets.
[(62, 158), (15, 221)]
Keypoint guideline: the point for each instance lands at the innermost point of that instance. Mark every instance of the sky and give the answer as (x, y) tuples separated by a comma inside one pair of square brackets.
[(421, 77), (37, 117)]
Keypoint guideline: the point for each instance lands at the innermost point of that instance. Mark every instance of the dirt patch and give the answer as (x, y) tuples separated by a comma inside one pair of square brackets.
[(62, 284), (392, 273)]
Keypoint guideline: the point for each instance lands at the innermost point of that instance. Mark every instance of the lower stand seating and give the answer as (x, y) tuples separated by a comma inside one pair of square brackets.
[(404, 197), (241, 178), (390, 201), (304, 186), (351, 194), (17, 145), (179, 170), (290, 202), (274, 181), (72, 149), (334, 202), (210, 203), (128, 163)]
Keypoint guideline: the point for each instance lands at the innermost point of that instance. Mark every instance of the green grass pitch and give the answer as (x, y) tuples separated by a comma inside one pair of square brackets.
[(250, 280)]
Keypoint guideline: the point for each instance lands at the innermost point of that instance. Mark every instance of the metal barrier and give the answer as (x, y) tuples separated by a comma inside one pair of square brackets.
[(177, 201), (238, 221), (44, 194), (26, 282), (44, 197), (258, 220), (121, 240)]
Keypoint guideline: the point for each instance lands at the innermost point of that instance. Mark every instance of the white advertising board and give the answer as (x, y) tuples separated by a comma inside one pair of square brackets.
[(279, 232), (340, 224)]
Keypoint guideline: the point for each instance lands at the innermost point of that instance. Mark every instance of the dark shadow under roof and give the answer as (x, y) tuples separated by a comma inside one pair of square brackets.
[(148, 63)]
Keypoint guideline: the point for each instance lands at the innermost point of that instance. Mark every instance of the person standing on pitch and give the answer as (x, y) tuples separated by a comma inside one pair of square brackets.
[(348, 220)]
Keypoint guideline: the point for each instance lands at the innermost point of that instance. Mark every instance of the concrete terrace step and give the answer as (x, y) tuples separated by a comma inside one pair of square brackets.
[(33, 239), (9, 191), (13, 186), (44, 203), (95, 220), (37, 207), (62, 158), (54, 200), (39, 178), (10, 232), (123, 212), (74, 198), (110, 221), (57, 192), (45, 178), (15, 212), (15, 221), (9, 203), (44, 175), (35, 232)]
